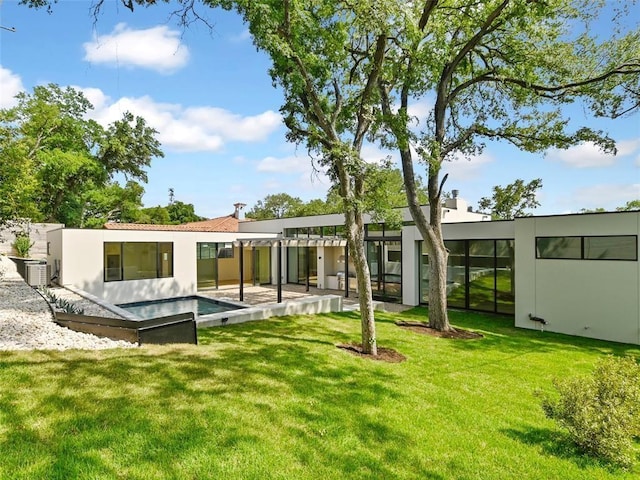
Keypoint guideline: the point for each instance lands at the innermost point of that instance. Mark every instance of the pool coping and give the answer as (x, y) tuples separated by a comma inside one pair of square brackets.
[(299, 306)]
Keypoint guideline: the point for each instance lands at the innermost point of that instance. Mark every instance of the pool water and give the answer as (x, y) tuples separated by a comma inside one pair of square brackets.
[(172, 306)]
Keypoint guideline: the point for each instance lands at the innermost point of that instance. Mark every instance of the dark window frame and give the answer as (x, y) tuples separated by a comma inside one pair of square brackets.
[(583, 256), (122, 262)]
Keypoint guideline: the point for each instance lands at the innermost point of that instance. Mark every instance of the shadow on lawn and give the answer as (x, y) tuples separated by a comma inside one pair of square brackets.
[(500, 333), (557, 444), (175, 412)]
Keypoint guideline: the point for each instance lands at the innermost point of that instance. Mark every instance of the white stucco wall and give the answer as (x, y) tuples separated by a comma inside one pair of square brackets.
[(590, 298), (81, 253)]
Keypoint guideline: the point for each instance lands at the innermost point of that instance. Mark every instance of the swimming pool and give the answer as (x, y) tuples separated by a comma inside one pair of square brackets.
[(171, 306)]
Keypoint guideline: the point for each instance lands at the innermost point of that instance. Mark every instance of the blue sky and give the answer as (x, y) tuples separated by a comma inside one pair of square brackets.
[(210, 97)]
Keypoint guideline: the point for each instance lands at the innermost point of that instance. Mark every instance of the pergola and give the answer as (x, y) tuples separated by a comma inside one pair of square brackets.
[(284, 242)]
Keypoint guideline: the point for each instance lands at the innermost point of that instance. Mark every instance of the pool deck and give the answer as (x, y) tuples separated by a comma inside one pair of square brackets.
[(260, 303), (267, 294)]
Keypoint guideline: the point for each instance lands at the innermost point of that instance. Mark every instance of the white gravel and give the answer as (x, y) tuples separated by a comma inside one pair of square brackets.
[(26, 323)]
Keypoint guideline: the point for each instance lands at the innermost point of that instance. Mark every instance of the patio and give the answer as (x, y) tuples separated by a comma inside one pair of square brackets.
[(257, 295)]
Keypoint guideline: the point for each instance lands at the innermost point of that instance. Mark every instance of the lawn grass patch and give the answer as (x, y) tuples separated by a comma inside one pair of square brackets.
[(277, 399)]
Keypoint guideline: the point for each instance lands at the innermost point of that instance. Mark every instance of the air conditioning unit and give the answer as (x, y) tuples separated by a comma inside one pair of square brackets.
[(38, 274)]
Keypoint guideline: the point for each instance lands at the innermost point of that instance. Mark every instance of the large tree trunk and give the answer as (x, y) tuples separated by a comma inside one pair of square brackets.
[(431, 231), (355, 237), (354, 224), (438, 260)]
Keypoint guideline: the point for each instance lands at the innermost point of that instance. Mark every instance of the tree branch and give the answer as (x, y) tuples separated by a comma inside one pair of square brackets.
[(429, 5), (372, 82)]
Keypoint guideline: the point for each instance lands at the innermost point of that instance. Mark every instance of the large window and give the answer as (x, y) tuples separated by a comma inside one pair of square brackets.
[(137, 260), (615, 247), (480, 275)]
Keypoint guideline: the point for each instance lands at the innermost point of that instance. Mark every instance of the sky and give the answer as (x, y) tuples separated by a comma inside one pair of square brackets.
[(209, 95)]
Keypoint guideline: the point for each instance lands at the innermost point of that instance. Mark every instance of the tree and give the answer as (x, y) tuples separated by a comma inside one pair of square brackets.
[(631, 205), (499, 70), (512, 201), (279, 205), (113, 203), (180, 212), (157, 215), (57, 161)]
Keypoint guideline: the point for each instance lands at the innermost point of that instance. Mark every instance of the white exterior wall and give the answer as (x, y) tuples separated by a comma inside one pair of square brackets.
[(589, 298), (81, 253)]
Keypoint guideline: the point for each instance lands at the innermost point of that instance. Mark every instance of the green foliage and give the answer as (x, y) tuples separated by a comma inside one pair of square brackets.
[(61, 303), (279, 205), (157, 215), (384, 189), (601, 412), (513, 200), (22, 244), (55, 163), (180, 212), (631, 205), (113, 203)]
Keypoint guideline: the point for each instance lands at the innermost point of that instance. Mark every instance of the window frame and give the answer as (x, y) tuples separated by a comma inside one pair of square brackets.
[(158, 261), (583, 255)]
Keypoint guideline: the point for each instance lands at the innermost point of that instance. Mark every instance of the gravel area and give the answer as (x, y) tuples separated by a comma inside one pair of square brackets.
[(26, 323)]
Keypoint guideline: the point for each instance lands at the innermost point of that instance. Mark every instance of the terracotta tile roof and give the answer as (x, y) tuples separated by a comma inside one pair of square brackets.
[(228, 223)]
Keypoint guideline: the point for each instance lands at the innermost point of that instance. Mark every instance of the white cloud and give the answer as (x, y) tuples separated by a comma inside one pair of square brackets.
[(11, 86), (462, 169), (293, 174), (607, 196), (420, 109), (243, 36), (284, 165), (372, 154), (628, 147), (186, 129), (158, 48), (234, 126), (589, 155)]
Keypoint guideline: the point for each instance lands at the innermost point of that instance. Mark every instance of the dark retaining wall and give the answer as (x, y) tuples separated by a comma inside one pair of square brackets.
[(180, 328)]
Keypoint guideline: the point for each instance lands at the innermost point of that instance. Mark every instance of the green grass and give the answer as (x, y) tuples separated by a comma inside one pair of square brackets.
[(277, 399)]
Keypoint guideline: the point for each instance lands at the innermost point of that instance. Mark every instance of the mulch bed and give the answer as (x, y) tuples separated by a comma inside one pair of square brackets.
[(384, 354), (425, 329)]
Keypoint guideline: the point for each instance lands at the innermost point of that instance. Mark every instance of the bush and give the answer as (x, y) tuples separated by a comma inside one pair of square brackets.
[(601, 412), (22, 245)]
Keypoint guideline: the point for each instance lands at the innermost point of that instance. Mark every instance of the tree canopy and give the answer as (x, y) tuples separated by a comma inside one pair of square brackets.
[(384, 186), (56, 165), (513, 200)]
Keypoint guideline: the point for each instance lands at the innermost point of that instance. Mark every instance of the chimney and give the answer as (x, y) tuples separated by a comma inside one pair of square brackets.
[(239, 214), (455, 202)]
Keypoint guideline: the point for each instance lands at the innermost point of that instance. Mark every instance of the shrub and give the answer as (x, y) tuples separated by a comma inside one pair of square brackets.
[(22, 244), (62, 303), (601, 412)]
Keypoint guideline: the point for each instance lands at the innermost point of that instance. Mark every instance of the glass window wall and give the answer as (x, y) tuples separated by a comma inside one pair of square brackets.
[(479, 275), (137, 260)]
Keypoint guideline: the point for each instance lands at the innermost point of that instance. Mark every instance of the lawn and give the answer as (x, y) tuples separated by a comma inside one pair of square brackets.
[(277, 399)]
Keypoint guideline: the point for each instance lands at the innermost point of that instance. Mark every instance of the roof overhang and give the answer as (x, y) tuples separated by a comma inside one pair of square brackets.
[(292, 242)]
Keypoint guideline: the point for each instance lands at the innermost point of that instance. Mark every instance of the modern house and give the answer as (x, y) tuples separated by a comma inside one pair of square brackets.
[(573, 274)]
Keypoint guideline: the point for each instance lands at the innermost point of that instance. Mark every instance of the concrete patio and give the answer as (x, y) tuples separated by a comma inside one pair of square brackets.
[(264, 294)]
